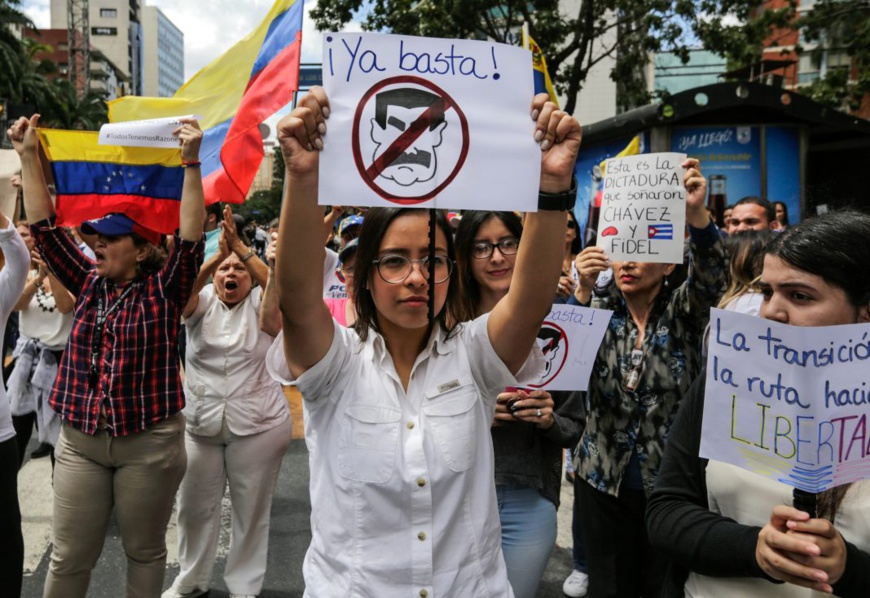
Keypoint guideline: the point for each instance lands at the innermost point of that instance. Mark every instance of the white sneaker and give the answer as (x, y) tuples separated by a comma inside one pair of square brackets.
[(576, 585), (173, 593)]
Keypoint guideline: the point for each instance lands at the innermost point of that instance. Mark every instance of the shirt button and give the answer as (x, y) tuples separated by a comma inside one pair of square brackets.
[(410, 425), (421, 482), (423, 593), (421, 536)]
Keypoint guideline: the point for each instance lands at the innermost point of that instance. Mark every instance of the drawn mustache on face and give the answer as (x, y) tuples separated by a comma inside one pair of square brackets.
[(421, 157)]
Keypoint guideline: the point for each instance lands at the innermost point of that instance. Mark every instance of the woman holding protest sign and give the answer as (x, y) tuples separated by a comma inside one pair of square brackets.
[(731, 532), (399, 408), (118, 390), (646, 363), (530, 428)]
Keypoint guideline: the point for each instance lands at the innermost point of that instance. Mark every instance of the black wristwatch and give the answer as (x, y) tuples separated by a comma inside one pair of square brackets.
[(559, 202)]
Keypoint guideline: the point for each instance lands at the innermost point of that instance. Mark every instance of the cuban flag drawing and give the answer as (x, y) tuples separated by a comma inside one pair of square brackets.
[(660, 231)]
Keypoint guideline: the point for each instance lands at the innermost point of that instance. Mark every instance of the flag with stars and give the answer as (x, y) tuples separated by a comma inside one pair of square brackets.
[(93, 180)]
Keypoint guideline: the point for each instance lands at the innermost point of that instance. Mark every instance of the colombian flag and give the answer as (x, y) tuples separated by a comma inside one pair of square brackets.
[(232, 96), (543, 84), (93, 180)]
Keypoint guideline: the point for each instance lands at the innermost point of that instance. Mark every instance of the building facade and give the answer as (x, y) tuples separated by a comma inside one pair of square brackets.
[(116, 31), (162, 54), (105, 75)]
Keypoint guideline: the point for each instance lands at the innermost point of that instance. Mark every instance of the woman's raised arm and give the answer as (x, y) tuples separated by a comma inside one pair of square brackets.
[(515, 320), (37, 200), (308, 327)]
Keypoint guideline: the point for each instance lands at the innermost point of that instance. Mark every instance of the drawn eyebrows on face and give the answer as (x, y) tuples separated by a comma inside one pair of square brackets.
[(396, 122)]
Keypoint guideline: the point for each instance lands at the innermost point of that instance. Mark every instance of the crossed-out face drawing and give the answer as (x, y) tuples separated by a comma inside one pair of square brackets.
[(395, 111), (553, 344)]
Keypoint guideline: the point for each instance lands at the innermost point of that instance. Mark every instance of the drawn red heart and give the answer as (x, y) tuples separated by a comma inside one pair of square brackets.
[(609, 231)]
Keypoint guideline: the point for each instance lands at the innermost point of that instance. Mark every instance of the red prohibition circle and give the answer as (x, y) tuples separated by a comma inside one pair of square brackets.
[(357, 152), (562, 336)]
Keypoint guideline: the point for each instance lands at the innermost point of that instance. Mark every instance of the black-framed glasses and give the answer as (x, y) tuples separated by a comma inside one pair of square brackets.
[(571, 223), (483, 249), (394, 269)]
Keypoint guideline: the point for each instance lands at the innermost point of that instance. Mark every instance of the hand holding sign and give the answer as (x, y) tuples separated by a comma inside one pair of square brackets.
[(806, 552), (590, 262), (559, 134), (524, 405), (696, 194), (300, 133)]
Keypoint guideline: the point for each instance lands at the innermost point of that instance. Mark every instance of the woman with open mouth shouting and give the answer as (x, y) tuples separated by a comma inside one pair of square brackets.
[(118, 389), (238, 424)]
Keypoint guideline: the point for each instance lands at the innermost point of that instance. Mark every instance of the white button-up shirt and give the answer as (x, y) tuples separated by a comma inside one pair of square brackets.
[(402, 492), (226, 373)]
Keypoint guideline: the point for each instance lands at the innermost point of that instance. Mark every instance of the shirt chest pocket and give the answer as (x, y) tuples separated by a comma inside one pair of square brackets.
[(452, 418), (367, 445)]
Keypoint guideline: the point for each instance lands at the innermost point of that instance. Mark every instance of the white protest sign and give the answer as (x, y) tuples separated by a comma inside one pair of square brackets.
[(156, 132), (428, 123), (569, 338), (643, 208), (788, 402)]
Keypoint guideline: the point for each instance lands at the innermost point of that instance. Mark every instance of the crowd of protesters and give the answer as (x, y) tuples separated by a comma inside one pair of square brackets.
[(434, 470)]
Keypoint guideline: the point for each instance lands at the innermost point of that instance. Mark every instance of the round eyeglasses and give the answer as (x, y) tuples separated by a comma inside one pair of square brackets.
[(483, 249), (394, 269)]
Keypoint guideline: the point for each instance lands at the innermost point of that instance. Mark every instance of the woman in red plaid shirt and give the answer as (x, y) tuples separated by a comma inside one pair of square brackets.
[(118, 390)]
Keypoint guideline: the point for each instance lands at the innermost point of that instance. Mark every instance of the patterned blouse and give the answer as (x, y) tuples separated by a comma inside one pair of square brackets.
[(621, 421)]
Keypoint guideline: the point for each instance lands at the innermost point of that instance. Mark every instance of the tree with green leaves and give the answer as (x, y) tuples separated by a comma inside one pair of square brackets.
[(575, 36), (842, 29)]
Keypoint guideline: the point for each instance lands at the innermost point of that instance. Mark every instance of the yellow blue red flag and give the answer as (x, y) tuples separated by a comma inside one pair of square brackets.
[(232, 96), (93, 180), (543, 83)]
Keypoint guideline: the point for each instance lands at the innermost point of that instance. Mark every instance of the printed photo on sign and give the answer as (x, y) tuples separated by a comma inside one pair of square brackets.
[(788, 402), (569, 339), (643, 208), (428, 122), (410, 139)]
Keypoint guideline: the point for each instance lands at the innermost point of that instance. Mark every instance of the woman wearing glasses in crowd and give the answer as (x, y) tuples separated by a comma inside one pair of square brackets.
[(530, 429), (118, 390), (399, 408), (731, 532), (648, 359)]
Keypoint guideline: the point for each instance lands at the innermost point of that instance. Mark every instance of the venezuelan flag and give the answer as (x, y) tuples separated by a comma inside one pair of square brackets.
[(93, 180), (543, 83), (232, 96)]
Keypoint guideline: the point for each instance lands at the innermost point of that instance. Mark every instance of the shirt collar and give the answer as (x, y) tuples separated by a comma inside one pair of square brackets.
[(438, 342)]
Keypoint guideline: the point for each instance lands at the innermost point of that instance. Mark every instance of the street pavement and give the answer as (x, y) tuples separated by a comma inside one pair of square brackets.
[(289, 537)]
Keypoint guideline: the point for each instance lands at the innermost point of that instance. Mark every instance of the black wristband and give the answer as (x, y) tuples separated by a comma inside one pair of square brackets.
[(558, 202)]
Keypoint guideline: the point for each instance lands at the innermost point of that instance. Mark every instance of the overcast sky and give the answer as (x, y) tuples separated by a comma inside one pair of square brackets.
[(209, 28)]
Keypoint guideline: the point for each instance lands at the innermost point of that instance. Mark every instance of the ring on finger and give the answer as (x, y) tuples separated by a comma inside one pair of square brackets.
[(539, 413)]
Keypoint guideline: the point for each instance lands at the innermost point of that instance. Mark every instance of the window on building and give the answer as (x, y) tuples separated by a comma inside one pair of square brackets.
[(109, 13), (104, 31)]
